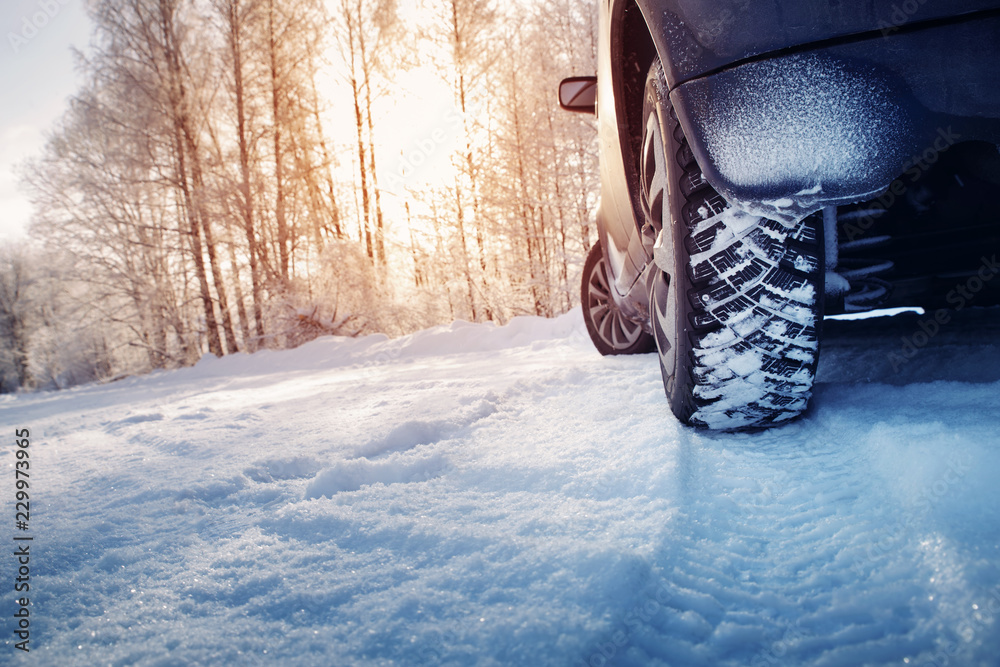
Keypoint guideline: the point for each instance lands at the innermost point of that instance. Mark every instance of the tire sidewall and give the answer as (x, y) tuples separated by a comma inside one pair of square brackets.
[(679, 385)]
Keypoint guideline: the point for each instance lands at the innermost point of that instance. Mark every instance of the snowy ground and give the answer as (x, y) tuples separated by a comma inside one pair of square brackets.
[(482, 495)]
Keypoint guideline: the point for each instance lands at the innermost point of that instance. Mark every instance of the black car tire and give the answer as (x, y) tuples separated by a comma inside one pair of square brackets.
[(735, 301), (611, 332)]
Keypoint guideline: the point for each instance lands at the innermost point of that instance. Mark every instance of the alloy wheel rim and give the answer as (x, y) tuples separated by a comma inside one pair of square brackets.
[(611, 325), (655, 189)]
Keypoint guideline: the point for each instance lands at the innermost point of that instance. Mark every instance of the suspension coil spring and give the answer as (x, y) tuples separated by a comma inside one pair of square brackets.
[(868, 290)]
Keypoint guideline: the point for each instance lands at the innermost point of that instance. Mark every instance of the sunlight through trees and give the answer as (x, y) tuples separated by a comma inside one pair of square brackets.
[(242, 174)]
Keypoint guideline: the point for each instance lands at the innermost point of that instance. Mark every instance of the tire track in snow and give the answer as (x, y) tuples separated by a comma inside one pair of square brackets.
[(773, 559)]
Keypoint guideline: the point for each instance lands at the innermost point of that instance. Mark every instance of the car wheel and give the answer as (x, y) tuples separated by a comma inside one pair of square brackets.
[(611, 331), (736, 300)]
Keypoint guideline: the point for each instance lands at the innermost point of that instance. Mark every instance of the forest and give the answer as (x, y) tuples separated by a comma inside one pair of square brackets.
[(239, 175)]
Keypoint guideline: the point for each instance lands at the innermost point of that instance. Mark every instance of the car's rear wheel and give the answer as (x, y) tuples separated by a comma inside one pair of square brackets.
[(609, 329), (736, 300)]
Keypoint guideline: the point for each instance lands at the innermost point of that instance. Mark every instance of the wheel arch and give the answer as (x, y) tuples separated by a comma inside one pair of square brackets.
[(632, 52), (647, 29), (879, 101)]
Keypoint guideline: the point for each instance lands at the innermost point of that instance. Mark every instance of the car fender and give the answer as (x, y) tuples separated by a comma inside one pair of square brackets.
[(832, 122)]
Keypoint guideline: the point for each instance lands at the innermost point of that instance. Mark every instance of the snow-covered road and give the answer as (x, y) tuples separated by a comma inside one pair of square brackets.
[(501, 496)]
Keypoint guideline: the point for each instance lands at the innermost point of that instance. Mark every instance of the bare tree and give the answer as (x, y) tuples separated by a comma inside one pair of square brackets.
[(15, 312), (369, 39), (194, 186), (238, 17)]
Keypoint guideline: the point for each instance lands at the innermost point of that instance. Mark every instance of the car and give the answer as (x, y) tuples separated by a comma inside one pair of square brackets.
[(763, 165)]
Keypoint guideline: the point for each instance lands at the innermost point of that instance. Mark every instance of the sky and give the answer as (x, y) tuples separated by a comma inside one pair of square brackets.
[(36, 78), (418, 126)]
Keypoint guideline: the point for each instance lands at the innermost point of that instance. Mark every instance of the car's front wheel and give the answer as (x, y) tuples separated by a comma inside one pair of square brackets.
[(736, 300), (609, 329)]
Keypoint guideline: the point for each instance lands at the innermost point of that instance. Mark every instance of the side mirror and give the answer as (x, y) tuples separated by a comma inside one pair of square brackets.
[(579, 94)]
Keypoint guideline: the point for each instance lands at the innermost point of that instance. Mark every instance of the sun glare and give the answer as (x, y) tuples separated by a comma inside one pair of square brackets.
[(418, 128)]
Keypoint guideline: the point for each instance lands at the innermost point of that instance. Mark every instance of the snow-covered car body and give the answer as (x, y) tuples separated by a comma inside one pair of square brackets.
[(791, 104)]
